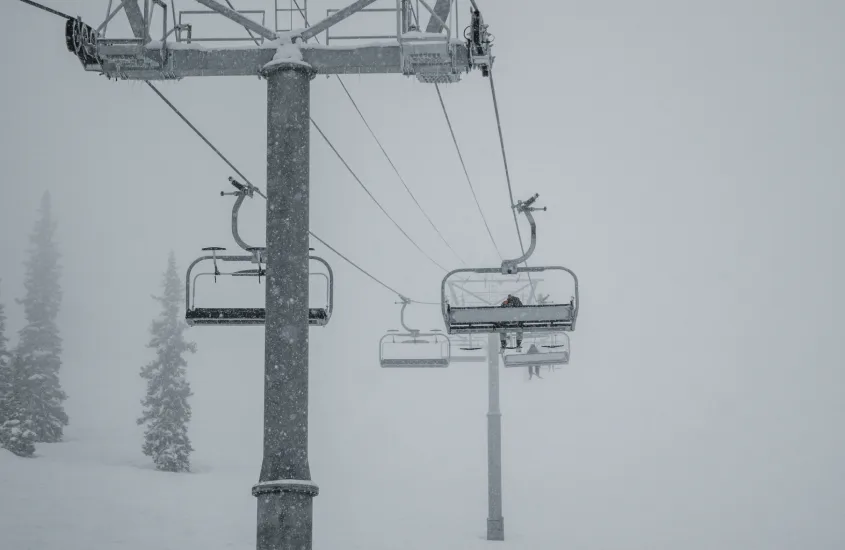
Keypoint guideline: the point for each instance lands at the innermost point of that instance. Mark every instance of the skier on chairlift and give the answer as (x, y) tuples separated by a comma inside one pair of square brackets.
[(533, 370), (512, 301)]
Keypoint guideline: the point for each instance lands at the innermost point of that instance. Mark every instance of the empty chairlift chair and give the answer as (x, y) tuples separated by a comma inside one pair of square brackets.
[(227, 316), (413, 348), (554, 352), (319, 270)]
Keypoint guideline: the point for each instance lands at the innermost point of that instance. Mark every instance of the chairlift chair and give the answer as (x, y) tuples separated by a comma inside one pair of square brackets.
[(435, 346), (318, 316), (558, 352), (197, 316), (528, 318)]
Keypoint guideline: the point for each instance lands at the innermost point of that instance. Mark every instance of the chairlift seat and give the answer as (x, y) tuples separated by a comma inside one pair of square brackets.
[(529, 318), (526, 359), (415, 363), (201, 316), (244, 316)]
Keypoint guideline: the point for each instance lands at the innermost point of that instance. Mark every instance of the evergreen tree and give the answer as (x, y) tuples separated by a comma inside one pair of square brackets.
[(3, 340), (15, 423), (166, 409), (5, 369), (40, 347), (14, 435)]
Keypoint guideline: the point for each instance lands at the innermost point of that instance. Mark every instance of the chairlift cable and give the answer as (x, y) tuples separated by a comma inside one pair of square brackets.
[(368, 274), (401, 179), (505, 161), (48, 10), (364, 187), (194, 128), (466, 173), (378, 142)]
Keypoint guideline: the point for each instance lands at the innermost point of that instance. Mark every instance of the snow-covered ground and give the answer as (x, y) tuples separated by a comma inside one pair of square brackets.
[(97, 491)]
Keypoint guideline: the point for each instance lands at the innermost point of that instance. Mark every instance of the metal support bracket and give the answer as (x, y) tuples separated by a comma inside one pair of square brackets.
[(511, 267), (244, 190)]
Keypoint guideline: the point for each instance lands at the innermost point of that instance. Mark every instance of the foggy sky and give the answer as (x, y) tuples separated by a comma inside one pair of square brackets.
[(691, 158)]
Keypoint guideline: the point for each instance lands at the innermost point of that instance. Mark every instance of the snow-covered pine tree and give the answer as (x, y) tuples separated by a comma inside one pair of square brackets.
[(166, 409), (39, 348), (15, 423), (5, 371), (14, 434), (3, 340)]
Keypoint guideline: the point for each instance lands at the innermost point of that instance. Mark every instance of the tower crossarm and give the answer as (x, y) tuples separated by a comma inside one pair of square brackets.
[(127, 61)]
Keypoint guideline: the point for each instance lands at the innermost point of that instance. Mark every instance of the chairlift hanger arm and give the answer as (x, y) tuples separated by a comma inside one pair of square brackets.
[(243, 191), (405, 302), (511, 266), (329, 283)]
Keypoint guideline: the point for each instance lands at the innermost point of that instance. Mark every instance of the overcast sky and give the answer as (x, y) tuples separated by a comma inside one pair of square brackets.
[(691, 156)]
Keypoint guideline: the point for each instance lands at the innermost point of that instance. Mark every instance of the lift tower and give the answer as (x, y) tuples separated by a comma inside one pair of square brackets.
[(288, 62)]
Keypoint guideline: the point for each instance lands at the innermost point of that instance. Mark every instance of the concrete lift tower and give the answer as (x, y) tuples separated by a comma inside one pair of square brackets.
[(288, 62)]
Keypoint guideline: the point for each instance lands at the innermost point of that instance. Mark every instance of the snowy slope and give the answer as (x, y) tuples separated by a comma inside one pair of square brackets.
[(92, 492)]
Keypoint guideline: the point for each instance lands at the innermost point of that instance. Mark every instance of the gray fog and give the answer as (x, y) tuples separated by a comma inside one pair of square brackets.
[(691, 156)]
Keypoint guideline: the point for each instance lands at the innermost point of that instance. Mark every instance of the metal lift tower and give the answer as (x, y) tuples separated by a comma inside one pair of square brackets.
[(288, 62)]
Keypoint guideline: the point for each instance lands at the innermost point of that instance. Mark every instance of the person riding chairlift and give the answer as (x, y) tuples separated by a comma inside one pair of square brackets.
[(512, 301), (533, 370)]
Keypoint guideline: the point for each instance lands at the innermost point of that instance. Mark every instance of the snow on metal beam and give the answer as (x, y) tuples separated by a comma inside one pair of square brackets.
[(195, 60)]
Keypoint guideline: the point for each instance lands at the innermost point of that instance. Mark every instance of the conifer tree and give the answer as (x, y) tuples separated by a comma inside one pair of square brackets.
[(166, 409), (14, 435), (3, 340), (39, 349), (15, 423)]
